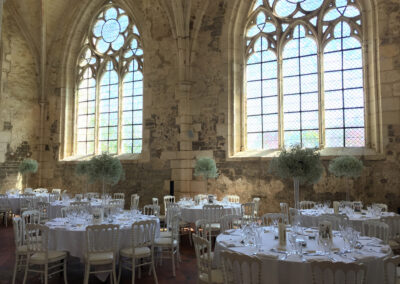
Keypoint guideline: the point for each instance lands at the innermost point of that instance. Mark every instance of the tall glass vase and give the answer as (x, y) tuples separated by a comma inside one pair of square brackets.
[(296, 184)]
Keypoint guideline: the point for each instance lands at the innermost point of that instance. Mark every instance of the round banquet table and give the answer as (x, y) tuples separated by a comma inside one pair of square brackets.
[(72, 238), (279, 270), (311, 217), (55, 207), (190, 213), (14, 200)]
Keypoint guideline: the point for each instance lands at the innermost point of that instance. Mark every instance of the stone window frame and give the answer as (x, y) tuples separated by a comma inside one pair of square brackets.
[(237, 65), (74, 41)]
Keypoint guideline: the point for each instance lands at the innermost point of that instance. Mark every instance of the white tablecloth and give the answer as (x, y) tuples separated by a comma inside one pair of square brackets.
[(71, 238), (311, 217), (292, 269), (14, 200), (193, 213), (55, 207)]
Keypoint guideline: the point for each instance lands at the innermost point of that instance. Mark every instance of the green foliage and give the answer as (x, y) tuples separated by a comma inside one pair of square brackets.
[(346, 166), (105, 168), (82, 168), (206, 168), (28, 166), (303, 164)]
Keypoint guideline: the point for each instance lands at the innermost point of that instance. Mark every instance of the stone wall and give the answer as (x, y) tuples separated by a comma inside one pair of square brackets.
[(209, 103)]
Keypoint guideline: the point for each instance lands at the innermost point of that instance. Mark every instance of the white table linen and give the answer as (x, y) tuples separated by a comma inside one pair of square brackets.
[(55, 207), (14, 200), (311, 217), (292, 269), (190, 213), (71, 238)]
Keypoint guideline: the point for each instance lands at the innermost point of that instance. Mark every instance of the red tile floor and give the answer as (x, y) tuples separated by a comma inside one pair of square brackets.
[(186, 273)]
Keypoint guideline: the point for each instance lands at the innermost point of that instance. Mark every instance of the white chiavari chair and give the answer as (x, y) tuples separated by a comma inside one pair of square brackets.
[(203, 229), (56, 190), (306, 204), (233, 198), (170, 244), (101, 249), (240, 268), (337, 220), (51, 261), (117, 203), (5, 208), (151, 209), (392, 269), (230, 221), (269, 219), (43, 208), (119, 195), (53, 197), (154, 200), (382, 206), (135, 201), (338, 272), (205, 272), (21, 250), (376, 229), (142, 247), (394, 230), (26, 202), (213, 213)]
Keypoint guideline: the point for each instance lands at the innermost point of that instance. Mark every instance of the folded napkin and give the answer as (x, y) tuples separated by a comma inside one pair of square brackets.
[(230, 244)]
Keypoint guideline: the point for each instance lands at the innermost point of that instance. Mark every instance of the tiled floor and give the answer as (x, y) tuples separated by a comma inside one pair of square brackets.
[(186, 273)]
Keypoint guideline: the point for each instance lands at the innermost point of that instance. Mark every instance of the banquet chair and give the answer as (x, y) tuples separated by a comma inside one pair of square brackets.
[(256, 201), (53, 261), (142, 247), (285, 210), (151, 209), (29, 217), (118, 203), (56, 190), (376, 229), (205, 272), (101, 249), (240, 268), (338, 272), (5, 208), (80, 204), (53, 197), (269, 218), (21, 250), (170, 244), (135, 201), (306, 204), (91, 195), (382, 206), (247, 211), (43, 208), (173, 209), (213, 214), (203, 229), (167, 200), (230, 221), (233, 198), (392, 269), (394, 230), (26, 202), (336, 219), (119, 195), (154, 200)]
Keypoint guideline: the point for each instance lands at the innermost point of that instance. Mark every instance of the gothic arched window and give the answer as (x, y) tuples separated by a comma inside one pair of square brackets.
[(109, 90), (304, 74)]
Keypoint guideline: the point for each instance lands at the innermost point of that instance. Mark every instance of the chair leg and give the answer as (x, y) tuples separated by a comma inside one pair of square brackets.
[(173, 261), (26, 270), (15, 268), (154, 270), (114, 273), (119, 270), (65, 271), (87, 270), (46, 273), (133, 271)]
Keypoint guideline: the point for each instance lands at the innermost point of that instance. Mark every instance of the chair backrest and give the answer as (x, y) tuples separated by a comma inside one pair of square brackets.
[(102, 238), (306, 204), (391, 266), (337, 220), (151, 209), (338, 272), (143, 233), (154, 200), (203, 229), (394, 226), (117, 203), (247, 210), (43, 208), (27, 201), (135, 201), (174, 227), (37, 239), (119, 195), (30, 217), (168, 199), (256, 201), (53, 196), (382, 206), (18, 231), (230, 221), (213, 213), (240, 268), (56, 190), (203, 256), (173, 209), (376, 229), (91, 195), (269, 219), (233, 198)]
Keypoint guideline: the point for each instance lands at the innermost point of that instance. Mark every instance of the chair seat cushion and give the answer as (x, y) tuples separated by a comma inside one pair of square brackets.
[(22, 249), (139, 252), (53, 255), (100, 258), (164, 242), (216, 276), (166, 234)]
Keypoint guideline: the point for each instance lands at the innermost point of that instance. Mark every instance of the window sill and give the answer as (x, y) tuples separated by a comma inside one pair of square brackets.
[(124, 158), (326, 154)]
